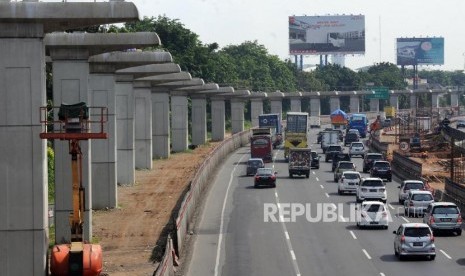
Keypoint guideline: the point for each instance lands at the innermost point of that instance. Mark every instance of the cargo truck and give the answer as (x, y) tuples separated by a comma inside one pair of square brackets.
[(272, 121), (330, 137), (296, 131), (299, 162), (314, 122), (261, 145), (390, 112)]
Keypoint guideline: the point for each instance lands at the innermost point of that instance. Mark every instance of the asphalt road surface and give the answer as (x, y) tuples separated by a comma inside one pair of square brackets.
[(234, 239)]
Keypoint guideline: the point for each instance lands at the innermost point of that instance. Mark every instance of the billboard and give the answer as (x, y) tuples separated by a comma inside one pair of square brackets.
[(319, 35), (420, 51)]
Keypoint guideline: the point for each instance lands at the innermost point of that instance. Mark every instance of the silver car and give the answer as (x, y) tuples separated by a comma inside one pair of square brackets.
[(372, 214), (408, 185), (417, 202), (414, 239), (348, 182), (357, 148), (371, 188), (443, 216), (343, 166)]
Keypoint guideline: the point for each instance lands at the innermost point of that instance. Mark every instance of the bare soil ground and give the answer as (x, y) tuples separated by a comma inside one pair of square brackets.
[(130, 234)]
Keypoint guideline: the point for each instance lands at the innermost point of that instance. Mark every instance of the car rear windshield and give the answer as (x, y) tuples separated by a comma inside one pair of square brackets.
[(346, 165), (414, 186), (255, 163), (334, 148), (375, 157), (264, 171), (445, 210), (373, 183), (357, 145), (422, 197), (417, 232), (373, 208), (314, 154), (382, 165), (351, 176)]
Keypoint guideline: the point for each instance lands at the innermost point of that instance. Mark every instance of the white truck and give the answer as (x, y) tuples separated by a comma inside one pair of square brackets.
[(314, 121), (329, 138), (299, 162)]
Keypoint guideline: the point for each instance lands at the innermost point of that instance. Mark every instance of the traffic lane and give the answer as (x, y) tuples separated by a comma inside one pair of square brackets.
[(204, 256), (319, 246)]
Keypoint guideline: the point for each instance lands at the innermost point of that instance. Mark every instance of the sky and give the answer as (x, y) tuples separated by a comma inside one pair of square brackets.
[(232, 22)]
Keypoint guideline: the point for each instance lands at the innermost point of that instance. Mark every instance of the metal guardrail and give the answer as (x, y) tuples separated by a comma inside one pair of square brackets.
[(406, 167), (455, 192), (379, 146)]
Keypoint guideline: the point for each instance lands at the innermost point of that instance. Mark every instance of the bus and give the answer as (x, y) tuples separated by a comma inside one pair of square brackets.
[(359, 121)]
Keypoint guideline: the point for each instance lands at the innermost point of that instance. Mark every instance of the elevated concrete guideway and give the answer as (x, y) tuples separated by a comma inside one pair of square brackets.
[(23, 172)]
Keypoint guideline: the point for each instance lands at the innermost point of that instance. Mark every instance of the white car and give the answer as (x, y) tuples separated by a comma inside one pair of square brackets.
[(417, 202), (371, 188), (408, 185), (373, 214), (348, 182), (357, 148)]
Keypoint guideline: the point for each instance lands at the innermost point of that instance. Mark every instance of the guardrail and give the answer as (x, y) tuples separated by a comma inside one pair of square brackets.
[(194, 196), (455, 192), (379, 146), (405, 167)]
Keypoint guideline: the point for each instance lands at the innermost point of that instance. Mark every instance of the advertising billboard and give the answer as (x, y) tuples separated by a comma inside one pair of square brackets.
[(319, 35), (420, 51)]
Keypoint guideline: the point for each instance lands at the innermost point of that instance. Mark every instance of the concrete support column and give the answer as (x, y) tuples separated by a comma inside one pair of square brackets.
[(334, 103), (70, 85), (454, 99), (296, 105), (102, 93), (23, 155), (199, 119), (413, 101), (256, 108), (394, 101), (160, 123), (143, 125), (237, 115), (125, 129), (179, 127), (315, 107), (354, 104), (277, 106), (218, 118), (374, 105), (434, 100)]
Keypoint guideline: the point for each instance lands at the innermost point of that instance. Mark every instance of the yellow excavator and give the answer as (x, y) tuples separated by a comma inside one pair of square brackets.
[(74, 124)]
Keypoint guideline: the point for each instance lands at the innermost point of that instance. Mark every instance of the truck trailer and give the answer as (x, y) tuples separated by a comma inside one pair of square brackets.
[(299, 162)]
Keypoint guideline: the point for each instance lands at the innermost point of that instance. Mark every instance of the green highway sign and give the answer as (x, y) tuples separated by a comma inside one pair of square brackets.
[(380, 93)]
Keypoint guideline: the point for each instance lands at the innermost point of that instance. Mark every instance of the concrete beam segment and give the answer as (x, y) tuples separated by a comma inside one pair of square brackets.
[(179, 121), (276, 106), (315, 107), (151, 70), (117, 61), (237, 115), (196, 88), (334, 103), (454, 99), (374, 105), (394, 101), (199, 119), (435, 100), (256, 108), (296, 105), (143, 125), (67, 15), (413, 101), (160, 122), (180, 83), (97, 43), (174, 80), (125, 130), (354, 104), (218, 110)]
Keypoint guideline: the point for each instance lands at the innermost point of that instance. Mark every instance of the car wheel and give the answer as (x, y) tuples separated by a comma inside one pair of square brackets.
[(358, 200), (459, 232), (401, 202), (401, 258), (318, 166), (364, 170), (255, 186), (390, 180), (432, 257), (335, 179), (385, 227), (274, 185), (307, 175), (395, 252), (326, 159)]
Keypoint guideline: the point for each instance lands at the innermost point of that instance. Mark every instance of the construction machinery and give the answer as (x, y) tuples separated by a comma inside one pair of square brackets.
[(75, 123)]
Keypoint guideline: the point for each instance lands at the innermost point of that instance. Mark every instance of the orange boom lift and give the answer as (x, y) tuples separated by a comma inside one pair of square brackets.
[(77, 258)]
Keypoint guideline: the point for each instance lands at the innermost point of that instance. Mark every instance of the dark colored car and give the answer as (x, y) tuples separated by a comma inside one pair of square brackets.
[(460, 123), (369, 158), (341, 134), (331, 150), (265, 177), (339, 156), (351, 137), (253, 164), (318, 137), (381, 169), (315, 162)]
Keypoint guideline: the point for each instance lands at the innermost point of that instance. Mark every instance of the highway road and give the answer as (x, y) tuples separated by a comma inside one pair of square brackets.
[(233, 237)]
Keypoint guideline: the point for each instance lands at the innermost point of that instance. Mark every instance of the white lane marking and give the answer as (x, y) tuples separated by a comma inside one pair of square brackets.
[(342, 218), (317, 179), (322, 186), (276, 194), (390, 206), (366, 254), (327, 195), (406, 220), (287, 235), (220, 236), (353, 235), (382, 274), (279, 205), (445, 254), (293, 255), (313, 172)]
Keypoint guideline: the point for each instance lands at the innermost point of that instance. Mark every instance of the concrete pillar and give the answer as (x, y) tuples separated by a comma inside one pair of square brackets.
[(160, 123), (218, 111), (256, 108), (23, 155), (315, 107), (354, 104), (70, 85), (296, 105), (277, 106), (143, 125), (179, 127), (454, 99), (413, 101), (394, 101), (434, 100), (334, 103), (199, 119), (125, 129), (102, 93), (237, 115), (374, 105)]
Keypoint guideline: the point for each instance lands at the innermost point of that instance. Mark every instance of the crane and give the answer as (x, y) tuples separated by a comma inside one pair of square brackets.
[(74, 124)]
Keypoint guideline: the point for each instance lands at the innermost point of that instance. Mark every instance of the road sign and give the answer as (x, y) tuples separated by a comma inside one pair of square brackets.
[(380, 92)]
